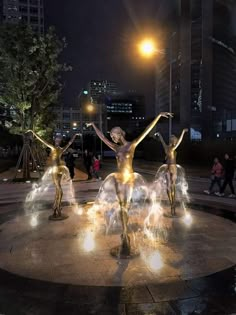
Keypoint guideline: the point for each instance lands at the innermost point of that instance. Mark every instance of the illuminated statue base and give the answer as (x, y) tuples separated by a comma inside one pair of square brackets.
[(174, 215), (60, 217), (119, 252), (125, 250)]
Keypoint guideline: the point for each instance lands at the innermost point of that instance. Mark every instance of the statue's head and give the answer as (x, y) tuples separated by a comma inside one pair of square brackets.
[(57, 141), (173, 140), (117, 134)]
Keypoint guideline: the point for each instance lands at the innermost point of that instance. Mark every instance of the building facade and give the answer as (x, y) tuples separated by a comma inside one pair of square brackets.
[(30, 12), (67, 120), (126, 110), (204, 76), (97, 89)]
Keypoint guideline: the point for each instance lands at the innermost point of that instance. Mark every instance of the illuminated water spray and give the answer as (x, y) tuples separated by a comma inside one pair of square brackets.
[(43, 190), (57, 171), (123, 183)]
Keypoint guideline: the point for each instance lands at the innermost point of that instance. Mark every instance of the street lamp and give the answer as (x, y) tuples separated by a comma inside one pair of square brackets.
[(90, 108), (148, 49)]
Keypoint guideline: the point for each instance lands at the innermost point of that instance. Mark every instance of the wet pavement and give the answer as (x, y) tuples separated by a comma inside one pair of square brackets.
[(212, 294)]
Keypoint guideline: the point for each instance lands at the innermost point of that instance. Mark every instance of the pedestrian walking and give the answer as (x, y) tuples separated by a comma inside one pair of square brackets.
[(88, 162), (228, 177), (70, 163), (216, 176), (96, 167)]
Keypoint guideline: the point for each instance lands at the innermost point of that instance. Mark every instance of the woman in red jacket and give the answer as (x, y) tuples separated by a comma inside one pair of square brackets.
[(96, 167), (216, 176)]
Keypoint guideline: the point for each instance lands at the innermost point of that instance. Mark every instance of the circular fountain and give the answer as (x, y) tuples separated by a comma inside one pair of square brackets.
[(77, 251)]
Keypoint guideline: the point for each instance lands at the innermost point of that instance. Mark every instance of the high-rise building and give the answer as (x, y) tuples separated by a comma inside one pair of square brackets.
[(126, 110), (97, 89), (108, 107), (204, 76), (30, 12)]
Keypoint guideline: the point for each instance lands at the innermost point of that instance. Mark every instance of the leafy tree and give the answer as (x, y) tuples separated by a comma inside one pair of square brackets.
[(30, 76)]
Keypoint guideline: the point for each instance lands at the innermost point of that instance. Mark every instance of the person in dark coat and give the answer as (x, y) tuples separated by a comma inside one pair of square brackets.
[(228, 176), (70, 163), (88, 163)]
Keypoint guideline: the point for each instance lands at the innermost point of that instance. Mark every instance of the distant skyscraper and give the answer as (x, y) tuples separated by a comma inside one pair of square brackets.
[(30, 12), (127, 110), (204, 76), (97, 89)]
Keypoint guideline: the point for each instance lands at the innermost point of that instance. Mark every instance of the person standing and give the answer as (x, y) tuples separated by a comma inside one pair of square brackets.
[(88, 163), (228, 177), (216, 176), (96, 167), (70, 163)]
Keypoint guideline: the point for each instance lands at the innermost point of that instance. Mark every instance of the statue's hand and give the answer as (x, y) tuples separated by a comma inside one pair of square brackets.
[(167, 114), (186, 130), (89, 124), (29, 131)]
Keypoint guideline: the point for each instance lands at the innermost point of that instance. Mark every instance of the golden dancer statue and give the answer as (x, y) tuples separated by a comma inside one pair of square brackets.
[(170, 166), (124, 179), (58, 170)]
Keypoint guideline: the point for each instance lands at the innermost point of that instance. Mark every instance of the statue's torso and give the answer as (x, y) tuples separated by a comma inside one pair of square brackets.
[(124, 157), (56, 154), (170, 155)]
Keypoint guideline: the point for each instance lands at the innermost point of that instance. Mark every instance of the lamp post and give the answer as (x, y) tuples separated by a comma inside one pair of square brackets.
[(148, 48), (91, 108)]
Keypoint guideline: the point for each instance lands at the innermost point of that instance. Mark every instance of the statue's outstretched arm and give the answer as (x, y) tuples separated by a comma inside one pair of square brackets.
[(70, 142), (151, 126), (41, 139), (180, 138), (100, 134), (162, 140)]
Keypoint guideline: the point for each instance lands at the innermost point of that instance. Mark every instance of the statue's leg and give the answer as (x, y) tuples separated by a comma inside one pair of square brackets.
[(60, 194), (124, 197), (55, 181), (168, 188), (173, 189)]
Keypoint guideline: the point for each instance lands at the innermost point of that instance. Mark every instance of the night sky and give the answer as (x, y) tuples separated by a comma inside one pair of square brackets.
[(101, 37)]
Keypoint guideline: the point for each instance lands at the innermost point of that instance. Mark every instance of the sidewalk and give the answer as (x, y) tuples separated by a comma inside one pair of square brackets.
[(197, 184)]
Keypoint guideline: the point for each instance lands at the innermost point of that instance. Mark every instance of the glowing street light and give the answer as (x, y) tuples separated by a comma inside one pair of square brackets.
[(90, 108), (74, 124), (147, 48)]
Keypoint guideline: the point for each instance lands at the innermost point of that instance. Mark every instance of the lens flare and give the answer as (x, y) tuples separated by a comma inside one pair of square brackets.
[(155, 261), (78, 210), (89, 243), (188, 219), (34, 221)]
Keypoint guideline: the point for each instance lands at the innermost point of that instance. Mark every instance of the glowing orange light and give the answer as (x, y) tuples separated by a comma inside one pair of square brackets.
[(147, 47), (90, 108)]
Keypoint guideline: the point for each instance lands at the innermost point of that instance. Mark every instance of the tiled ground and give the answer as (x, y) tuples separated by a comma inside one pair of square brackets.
[(212, 294), (77, 251)]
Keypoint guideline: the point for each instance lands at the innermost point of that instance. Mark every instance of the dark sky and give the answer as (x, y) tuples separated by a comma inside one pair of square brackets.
[(101, 37)]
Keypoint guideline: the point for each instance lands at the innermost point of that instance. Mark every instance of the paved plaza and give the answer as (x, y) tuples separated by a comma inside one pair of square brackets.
[(66, 268)]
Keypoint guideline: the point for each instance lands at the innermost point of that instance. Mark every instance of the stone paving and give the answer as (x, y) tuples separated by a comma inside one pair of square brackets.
[(77, 251), (208, 257)]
